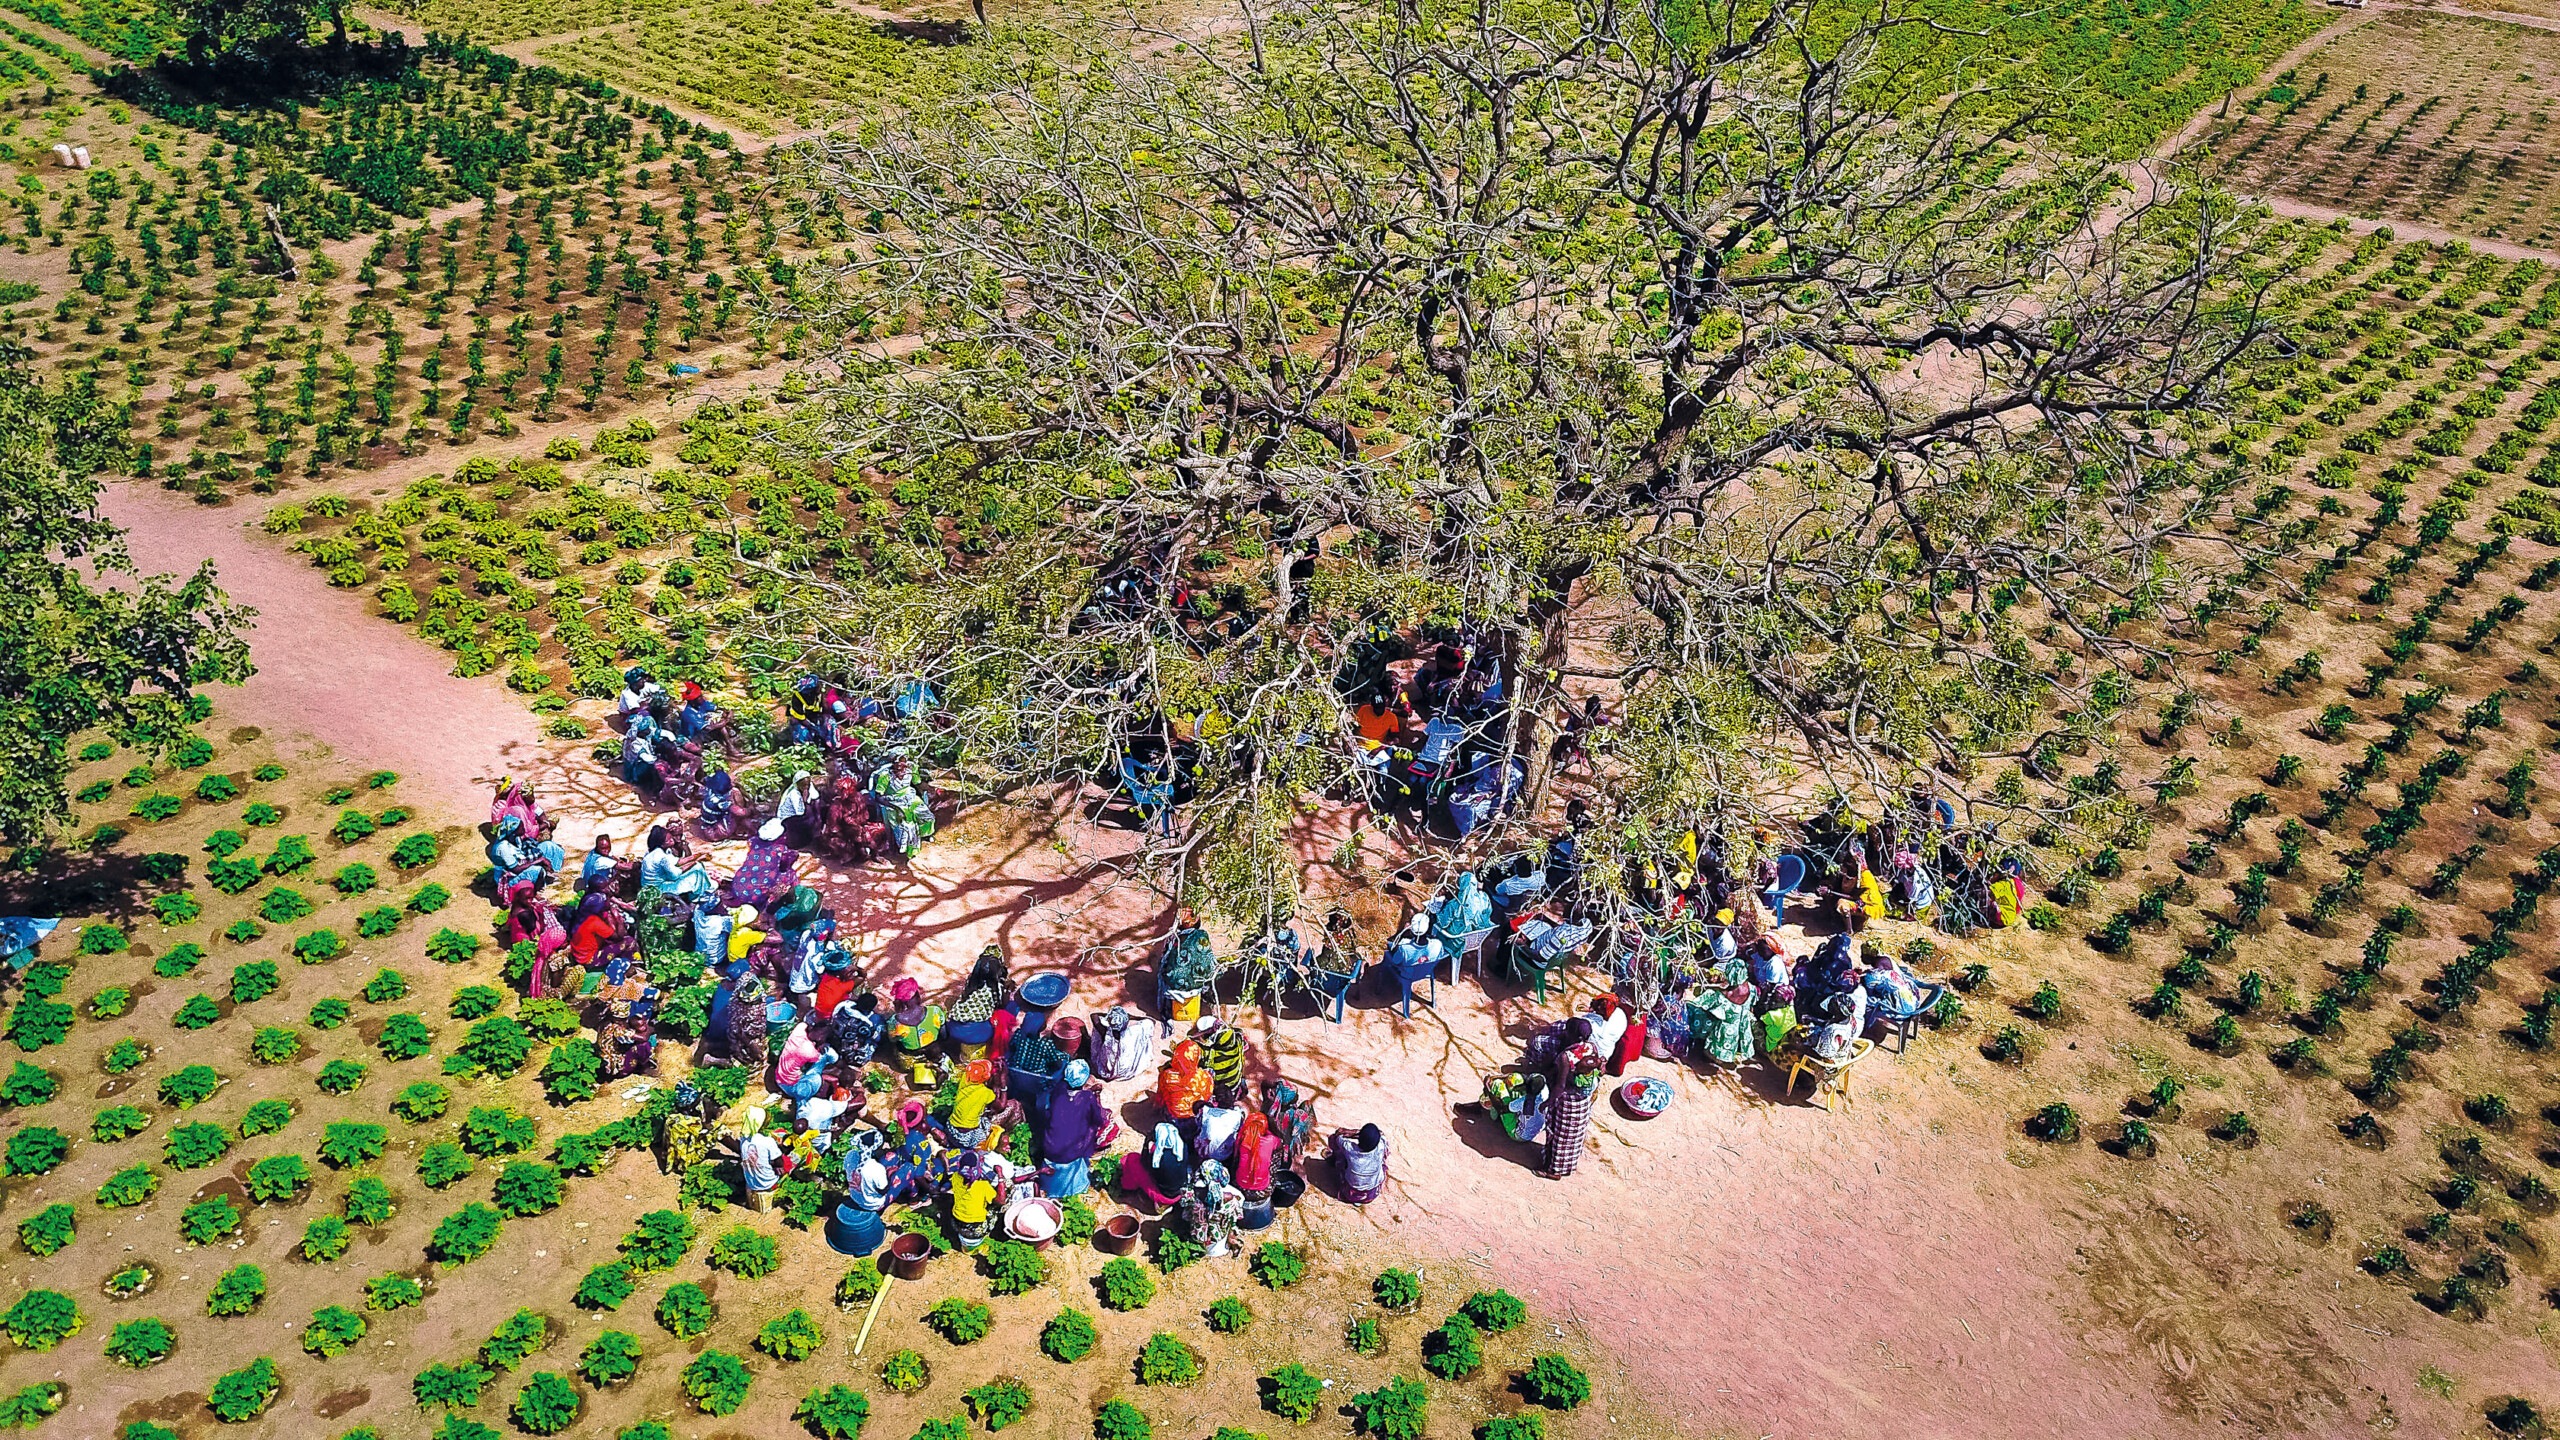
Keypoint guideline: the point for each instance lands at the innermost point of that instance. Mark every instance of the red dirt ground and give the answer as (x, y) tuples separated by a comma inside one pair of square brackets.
[(1908, 1267)]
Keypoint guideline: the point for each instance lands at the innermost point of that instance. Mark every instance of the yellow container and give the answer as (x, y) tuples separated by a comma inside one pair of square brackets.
[(1186, 1011)]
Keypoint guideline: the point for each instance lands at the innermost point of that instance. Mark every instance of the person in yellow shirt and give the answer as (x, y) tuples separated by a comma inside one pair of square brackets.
[(743, 934), (973, 1197)]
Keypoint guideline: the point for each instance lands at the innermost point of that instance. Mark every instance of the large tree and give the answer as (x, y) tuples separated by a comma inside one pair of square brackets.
[(1716, 357), (86, 641)]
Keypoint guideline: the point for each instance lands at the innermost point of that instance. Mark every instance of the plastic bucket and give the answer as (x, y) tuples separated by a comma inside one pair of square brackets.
[(908, 1254), (1258, 1214), (1286, 1188), (1118, 1235), (1186, 1011)]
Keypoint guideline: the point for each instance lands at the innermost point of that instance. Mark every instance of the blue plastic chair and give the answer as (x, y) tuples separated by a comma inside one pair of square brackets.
[(1406, 974), (1905, 1024), (1150, 798), (1332, 989), (1790, 880)]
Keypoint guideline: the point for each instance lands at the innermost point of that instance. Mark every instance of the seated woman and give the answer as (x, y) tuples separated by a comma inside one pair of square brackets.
[(792, 808), (533, 919), (1486, 792), (800, 1067), (516, 799), (902, 804), (1184, 1084), (1834, 1021), (719, 805), (972, 1017), (1360, 1163), (1159, 1174), (915, 1026), (1463, 913), (845, 818), (640, 757), (1075, 1127), (639, 694), (663, 866), (856, 1228), (1187, 967), (626, 1043), (702, 722), (1211, 1209), (1720, 1019), (770, 872), (519, 867)]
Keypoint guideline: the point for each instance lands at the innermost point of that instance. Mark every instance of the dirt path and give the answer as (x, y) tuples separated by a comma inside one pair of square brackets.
[(331, 675)]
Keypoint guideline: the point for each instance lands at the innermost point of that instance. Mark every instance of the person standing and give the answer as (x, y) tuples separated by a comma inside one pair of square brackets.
[(1569, 1102)]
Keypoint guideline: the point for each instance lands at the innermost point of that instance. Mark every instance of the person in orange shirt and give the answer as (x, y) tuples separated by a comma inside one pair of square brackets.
[(1183, 1086), (1379, 720)]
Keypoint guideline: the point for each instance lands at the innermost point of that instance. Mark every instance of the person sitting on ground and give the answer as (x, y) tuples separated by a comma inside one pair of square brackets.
[(1721, 1024), (804, 711), (902, 804), (663, 866), (640, 694), (640, 757), (760, 1162), (701, 721), (770, 871), (1190, 966), (971, 1019), (1183, 1084), (719, 805), (854, 1029), (792, 808), (1077, 1126), (1222, 1052), (516, 798), (1211, 1209), (600, 868), (1360, 1163), (916, 1025), (800, 1066), (519, 867)]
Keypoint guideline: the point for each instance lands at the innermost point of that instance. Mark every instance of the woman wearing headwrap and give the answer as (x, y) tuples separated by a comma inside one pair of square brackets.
[(1255, 1150), (1292, 1121), (902, 804), (856, 1228), (973, 1111), (854, 1028), (747, 1022), (640, 756), (663, 867), (719, 805), (791, 807), (800, 1070), (770, 872), (625, 1041), (1076, 1126), (1222, 1051), (516, 799), (973, 1015), (1169, 1163), (915, 1025), (1569, 1102), (973, 1198), (520, 866), (1360, 1163), (1720, 1019), (1182, 1085), (531, 919), (1211, 1209)]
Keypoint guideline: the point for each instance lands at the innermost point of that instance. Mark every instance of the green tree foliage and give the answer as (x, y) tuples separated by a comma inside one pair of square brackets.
[(87, 639)]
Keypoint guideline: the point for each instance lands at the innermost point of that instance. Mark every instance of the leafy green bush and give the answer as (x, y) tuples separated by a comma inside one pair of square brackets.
[(124, 1055), (474, 1001), (962, 1322), (352, 826), (254, 981), (658, 1241), (177, 907), (1120, 1420), (837, 1412), (1069, 1337), (244, 1394), (452, 947), (905, 1372), (1513, 1427), (208, 1220), (284, 905), (48, 1230), (1229, 1315), (42, 1319), (333, 1330), (548, 1403), (1076, 1222), (1125, 1286), (1293, 1392), (431, 897), (792, 1336), (610, 1358), (572, 1071), (999, 1402), (527, 1187), (231, 875), (328, 1014), (354, 878), (338, 1077), (324, 1239), (1164, 1360), (942, 1427), (141, 1343), (414, 852), (275, 1045), (515, 1340), (1393, 1411), (685, 1310), (238, 1290), (1277, 1266), (197, 1013), (293, 853), (278, 1178), (1553, 1381), (1396, 1289), (265, 1117), (1174, 1248), (130, 1281), (716, 1382), (110, 1003), (189, 1087), (319, 947), (405, 1037), (450, 1386), (101, 940), (131, 1186), (393, 1292), (352, 1142), (369, 1202), (1495, 1312), (377, 922), (35, 1022), (215, 789), (442, 1164), (386, 986), (1451, 1352), (464, 1236), (35, 1150), (497, 1045), (498, 1130), (744, 1252), (1011, 1267), (605, 1287), (422, 1101)]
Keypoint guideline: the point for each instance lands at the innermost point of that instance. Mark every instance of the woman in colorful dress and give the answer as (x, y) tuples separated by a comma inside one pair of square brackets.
[(1569, 1102), (1211, 1210), (1360, 1162)]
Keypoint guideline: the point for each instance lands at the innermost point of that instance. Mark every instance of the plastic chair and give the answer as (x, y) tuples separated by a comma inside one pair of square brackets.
[(1150, 798), (1406, 974), (1332, 989), (1905, 1024), (1790, 880), (1471, 946), (1830, 1076)]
